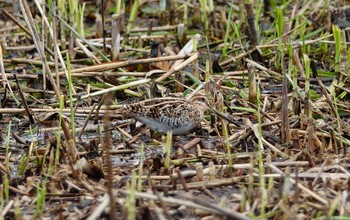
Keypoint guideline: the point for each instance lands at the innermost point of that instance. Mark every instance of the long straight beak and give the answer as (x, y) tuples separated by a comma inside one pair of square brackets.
[(222, 115)]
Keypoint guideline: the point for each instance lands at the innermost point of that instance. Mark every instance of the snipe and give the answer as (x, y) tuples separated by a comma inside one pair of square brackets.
[(165, 114)]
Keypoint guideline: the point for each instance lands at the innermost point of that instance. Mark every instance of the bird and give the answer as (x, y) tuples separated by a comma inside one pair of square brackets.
[(168, 114)]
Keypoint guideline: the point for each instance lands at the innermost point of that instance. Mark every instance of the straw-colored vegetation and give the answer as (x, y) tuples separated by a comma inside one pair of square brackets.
[(275, 77)]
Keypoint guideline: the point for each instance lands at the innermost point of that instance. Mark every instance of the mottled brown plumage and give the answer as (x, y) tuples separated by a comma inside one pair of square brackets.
[(163, 115)]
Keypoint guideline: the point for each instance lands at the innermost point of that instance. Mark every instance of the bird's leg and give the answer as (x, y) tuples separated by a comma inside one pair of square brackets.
[(133, 130), (199, 130)]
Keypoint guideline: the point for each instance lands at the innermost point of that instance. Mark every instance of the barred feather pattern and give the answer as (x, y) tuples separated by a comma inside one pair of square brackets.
[(179, 116)]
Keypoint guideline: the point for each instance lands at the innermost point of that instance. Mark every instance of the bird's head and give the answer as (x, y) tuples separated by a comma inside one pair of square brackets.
[(201, 102)]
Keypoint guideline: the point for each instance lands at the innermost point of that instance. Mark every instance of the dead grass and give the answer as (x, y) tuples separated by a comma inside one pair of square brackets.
[(66, 150)]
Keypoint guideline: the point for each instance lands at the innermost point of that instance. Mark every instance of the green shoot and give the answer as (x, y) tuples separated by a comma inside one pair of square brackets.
[(7, 145), (307, 84), (131, 198), (228, 25), (6, 189), (133, 15), (80, 21), (337, 34), (118, 6), (40, 199), (279, 30), (169, 137), (70, 89), (142, 157), (262, 183), (58, 134), (204, 15)]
